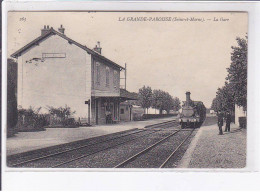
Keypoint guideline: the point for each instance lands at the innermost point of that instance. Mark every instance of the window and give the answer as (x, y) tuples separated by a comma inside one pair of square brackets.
[(122, 111), (115, 79), (107, 76), (126, 108), (97, 73)]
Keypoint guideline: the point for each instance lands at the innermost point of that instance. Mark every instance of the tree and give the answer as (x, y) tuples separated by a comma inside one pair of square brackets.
[(61, 112), (164, 101), (235, 89), (176, 104), (167, 102), (12, 113), (145, 97), (157, 102), (224, 99), (216, 104), (237, 72)]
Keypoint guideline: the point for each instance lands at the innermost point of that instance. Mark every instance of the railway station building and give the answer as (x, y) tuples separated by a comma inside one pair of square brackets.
[(54, 70)]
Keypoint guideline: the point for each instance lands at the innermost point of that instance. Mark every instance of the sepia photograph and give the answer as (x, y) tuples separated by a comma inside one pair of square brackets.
[(132, 90)]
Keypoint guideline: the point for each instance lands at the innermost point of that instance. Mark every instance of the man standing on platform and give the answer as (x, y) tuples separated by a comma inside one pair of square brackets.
[(220, 122), (107, 115), (228, 121)]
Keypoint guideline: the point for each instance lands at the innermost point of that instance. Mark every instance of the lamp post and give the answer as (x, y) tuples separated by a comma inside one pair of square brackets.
[(88, 103)]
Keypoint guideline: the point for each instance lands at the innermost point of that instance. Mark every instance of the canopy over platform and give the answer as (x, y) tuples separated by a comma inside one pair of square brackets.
[(125, 95)]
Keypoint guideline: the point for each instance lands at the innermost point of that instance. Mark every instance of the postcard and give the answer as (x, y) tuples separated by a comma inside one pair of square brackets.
[(126, 90)]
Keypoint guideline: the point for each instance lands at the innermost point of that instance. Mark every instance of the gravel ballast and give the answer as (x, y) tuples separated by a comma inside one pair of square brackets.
[(17, 158), (57, 159), (111, 150), (157, 155), (113, 156)]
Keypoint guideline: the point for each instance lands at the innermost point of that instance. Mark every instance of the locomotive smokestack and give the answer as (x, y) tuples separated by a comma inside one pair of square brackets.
[(188, 98)]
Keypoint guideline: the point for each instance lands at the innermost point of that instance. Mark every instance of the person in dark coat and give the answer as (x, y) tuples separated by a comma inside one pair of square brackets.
[(107, 116), (220, 122), (228, 121)]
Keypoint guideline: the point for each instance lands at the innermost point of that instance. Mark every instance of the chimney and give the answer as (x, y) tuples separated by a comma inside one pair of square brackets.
[(98, 48), (45, 30), (188, 98), (61, 29)]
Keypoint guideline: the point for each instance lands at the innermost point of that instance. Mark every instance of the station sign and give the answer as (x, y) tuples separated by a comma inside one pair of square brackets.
[(53, 55)]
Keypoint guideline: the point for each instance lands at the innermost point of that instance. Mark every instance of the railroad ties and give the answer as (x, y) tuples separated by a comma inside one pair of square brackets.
[(156, 146)]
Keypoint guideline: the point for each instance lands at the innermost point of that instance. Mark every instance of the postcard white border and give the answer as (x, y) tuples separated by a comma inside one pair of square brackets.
[(99, 179)]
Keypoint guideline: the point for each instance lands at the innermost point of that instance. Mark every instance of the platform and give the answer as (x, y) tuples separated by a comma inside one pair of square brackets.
[(210, 150), (27, 141)]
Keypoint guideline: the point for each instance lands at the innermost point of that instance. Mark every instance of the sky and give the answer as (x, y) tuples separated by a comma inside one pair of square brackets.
[(172, 51)]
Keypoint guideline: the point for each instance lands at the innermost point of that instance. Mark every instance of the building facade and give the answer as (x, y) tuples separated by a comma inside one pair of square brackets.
[(126, 112), (54, 70), (239, 112)]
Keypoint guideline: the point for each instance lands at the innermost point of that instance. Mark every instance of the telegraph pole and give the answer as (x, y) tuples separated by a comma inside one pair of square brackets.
[(125, 76), (123, 86)]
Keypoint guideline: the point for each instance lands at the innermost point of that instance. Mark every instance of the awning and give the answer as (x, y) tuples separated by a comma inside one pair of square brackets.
[(125, 95)]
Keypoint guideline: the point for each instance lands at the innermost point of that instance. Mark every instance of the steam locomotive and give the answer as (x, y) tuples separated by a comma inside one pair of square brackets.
[(193, 113)]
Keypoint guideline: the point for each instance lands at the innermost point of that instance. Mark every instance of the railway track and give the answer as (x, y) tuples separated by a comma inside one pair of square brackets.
[(17, 159), (78, 152), (132, 162), (100, 150), (175, 150), (162, 125), (72, 162), (128, 153), (69, 156)]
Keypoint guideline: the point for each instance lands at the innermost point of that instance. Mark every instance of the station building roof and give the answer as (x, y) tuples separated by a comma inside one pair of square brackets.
[(70, 41)]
